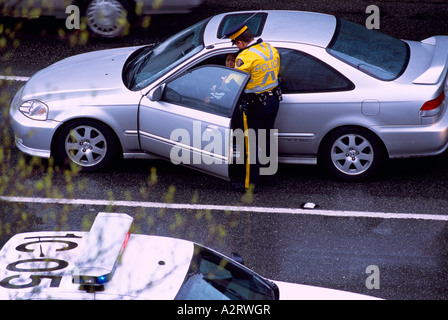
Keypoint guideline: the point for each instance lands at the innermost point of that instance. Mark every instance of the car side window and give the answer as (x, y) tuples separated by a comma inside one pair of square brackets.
[(212, 89), (302, 73)]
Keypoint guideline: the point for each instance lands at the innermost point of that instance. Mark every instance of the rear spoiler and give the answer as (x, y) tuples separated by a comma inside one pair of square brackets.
[(101, 249), (438, 67)]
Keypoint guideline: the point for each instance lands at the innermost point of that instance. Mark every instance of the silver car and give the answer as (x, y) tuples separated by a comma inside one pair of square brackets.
[(106, 18), (352, 97)]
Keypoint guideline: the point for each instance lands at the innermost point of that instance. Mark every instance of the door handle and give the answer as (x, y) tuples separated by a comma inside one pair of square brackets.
[(212, 127)]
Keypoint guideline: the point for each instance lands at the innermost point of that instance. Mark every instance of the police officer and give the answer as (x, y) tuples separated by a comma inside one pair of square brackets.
[(262, 94)]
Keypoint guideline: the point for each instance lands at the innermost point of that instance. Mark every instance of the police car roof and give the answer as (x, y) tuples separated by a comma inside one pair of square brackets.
[(40, 265), (292, 26)]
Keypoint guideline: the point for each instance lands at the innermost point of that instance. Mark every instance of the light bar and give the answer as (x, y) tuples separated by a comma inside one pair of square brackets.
[(101, 248)]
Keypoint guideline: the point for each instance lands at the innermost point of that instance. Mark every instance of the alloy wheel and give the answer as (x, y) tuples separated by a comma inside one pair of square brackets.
[(106, 18), (86, 146), (352, 154)]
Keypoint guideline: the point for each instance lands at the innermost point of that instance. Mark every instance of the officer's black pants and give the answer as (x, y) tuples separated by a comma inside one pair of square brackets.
[(260, 115)]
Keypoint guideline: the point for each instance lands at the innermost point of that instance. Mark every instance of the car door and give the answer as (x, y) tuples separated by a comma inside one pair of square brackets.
[(188, 119)]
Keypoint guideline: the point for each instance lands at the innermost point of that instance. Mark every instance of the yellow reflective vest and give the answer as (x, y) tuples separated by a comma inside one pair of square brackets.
[(262, 61)]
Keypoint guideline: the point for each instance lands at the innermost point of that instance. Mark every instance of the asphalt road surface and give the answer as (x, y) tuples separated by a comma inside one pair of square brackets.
[(397, 222)]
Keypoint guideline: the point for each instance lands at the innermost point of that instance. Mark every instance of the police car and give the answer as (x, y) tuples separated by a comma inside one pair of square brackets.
[(109, 262)]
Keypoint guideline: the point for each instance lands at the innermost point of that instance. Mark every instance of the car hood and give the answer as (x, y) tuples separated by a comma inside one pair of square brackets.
[(83, 74)]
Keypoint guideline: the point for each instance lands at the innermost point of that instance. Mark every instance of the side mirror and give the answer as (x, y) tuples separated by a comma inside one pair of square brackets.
[(156, 93)]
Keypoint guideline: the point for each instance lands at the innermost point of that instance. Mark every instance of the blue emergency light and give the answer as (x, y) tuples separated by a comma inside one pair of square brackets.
[(101, 249)]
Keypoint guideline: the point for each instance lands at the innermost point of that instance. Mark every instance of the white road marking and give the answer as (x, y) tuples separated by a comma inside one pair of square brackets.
[(14, 78), (161, 205)]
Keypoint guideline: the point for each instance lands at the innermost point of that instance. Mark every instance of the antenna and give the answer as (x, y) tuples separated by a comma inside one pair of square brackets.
[(252, 15)]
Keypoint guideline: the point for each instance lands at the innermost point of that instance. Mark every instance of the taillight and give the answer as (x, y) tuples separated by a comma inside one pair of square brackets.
[(431, 107)]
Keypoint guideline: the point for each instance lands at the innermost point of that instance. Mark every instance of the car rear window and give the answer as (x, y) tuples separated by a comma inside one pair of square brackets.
[(371, 51), (254, 21)]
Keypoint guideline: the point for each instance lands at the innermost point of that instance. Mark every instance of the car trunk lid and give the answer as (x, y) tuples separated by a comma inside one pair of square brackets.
[(437, 68)]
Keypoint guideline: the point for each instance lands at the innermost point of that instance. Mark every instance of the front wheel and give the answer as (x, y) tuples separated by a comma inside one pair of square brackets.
[(352, 154), (86, 143)]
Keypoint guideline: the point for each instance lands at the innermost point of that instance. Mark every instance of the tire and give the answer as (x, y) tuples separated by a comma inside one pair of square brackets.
[(352, 154), (86, 143), (107, 18)]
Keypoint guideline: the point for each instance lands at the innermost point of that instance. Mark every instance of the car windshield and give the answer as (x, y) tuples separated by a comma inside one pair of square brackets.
[(370, 51), (213, 277), (147, 64)]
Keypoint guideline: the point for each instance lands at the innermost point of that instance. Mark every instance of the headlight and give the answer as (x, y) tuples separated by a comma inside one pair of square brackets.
[(34, 109)]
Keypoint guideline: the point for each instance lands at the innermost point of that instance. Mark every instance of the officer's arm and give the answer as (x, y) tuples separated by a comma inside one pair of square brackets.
[(243, 63)]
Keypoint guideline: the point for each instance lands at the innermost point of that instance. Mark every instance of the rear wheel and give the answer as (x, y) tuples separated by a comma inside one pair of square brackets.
[(86, 143), (352, 154)]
